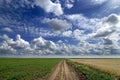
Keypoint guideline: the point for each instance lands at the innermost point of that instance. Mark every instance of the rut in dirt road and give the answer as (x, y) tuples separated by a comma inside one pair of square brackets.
[(65, 72)]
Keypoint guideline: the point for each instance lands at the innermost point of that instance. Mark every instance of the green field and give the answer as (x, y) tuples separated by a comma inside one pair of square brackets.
[(25, 69)]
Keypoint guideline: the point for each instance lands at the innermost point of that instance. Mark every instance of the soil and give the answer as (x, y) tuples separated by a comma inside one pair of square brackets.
[(63, 71)]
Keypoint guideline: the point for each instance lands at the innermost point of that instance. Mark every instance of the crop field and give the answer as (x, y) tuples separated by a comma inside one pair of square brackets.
[(110, 66), (59, 69), (25, 69)]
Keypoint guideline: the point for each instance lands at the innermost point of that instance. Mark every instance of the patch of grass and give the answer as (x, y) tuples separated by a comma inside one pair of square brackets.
[(25, 69), (90, 73), (108, 65)]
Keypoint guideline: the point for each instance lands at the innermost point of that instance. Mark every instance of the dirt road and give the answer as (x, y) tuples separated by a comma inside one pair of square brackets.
[(65, 72)]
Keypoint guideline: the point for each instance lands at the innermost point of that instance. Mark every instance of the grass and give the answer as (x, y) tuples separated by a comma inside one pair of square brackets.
[(111, 66), (90, 73), (25, 69)]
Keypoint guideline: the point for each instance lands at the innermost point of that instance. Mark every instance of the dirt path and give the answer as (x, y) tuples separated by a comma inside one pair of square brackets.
[(65, 72)]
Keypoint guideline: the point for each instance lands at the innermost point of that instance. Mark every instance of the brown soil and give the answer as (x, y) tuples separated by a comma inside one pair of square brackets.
[(63, 71)]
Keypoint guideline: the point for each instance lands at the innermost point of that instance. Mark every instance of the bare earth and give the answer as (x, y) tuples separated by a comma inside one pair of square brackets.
[(65, 72)]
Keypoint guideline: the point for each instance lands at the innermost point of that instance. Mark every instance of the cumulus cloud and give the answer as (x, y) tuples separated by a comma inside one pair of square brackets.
[(82, 22), (38, 46), (112, 19), (76, 34), (69, 3), (57, 24), (109, 26), (41, 46), (104, 31), (67, 33), (107, 41), (6, 49), (39, 41), (50, 7), (105, 35), (19, 43), (7, 29), (69, 6)]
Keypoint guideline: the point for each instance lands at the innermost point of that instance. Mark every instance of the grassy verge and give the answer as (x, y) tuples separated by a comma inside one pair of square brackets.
[(25, 69), (90, 73)]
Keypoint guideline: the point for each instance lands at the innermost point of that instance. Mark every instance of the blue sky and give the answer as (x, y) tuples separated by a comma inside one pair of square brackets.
[(59, 27)]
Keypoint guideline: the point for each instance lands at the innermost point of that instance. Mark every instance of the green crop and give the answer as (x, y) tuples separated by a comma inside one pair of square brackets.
[(25, 69)]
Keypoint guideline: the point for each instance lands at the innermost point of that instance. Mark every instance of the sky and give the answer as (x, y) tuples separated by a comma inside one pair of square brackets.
[(59, 27)]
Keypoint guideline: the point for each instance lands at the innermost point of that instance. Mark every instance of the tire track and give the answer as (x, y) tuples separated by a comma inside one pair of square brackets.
[(65, 72)]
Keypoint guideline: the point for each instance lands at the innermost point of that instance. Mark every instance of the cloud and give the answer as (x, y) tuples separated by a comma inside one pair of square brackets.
[(41, 46), (69, 3), (109, 26), (67, 33), (5, 49), (58, 24), (5, 37), (69, 6), (7, 29), (50, 7), (112, 19), (105, 31), (39, 41), (96, 2), (77, 34), (19, 43), (82, 22), (107, 41)]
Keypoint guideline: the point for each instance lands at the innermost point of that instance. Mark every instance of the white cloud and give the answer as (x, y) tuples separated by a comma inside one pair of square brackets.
[(112, 19), (104, 27), (39, 42), (7, 29), (57, 24), (96, 2), (67, 33), (80, 21), (47, 5), (44, 46), (109, 34), (107, 41), (41, 46), (6, 49), (69, 3), (77, 34), (69, 6), (109, 26), (105, 31), (113, 4), (19, 43), (50, 7)]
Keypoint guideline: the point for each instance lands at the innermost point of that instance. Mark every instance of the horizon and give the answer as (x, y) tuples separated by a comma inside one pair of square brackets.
[(66, 57)]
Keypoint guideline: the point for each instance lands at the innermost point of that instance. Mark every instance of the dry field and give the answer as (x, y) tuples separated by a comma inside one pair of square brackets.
[(111, 66)]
